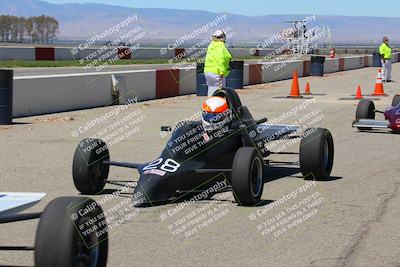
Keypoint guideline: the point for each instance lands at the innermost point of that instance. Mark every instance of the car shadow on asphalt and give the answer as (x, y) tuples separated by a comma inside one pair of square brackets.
[(20, 123), (375, 132), (121, 184), (273, 173), (110, 191), (128, 184), (330, 179)]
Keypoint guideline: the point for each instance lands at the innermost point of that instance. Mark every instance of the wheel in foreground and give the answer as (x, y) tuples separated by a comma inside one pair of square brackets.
[(247, 176), (58, 241), (316, 154)]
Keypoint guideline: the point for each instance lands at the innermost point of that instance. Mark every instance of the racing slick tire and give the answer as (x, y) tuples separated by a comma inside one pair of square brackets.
[(316, 154), (247, 176), (88, 171), (365, 110), (396, 100), (60, 243)]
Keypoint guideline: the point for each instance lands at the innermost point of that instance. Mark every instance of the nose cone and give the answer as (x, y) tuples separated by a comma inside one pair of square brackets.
[(152, 190), (391, 114)]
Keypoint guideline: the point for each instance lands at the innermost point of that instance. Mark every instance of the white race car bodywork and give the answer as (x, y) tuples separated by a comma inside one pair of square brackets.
[(13, 203)]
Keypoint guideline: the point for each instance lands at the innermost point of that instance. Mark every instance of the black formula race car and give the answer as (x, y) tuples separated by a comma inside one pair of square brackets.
[(63, 237), (195, 161), (365, 116)]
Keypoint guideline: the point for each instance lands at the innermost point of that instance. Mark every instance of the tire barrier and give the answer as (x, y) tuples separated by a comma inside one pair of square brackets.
[(6, 96), (201, 84), (235, 78), (376, 59), (317, 66)]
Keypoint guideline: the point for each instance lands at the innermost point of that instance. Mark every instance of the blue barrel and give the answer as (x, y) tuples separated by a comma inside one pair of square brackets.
[(235, 78), (202, 88), (376, 60), (6, 96), (317, 66)]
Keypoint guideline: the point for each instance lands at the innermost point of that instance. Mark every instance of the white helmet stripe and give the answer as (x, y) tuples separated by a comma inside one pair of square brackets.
[(215, 102)]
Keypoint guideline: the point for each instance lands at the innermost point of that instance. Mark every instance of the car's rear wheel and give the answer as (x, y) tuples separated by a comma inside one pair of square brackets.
[(365, 110), (247, 176), (396, 100), (316, 154), (88, 170), (60, 243)]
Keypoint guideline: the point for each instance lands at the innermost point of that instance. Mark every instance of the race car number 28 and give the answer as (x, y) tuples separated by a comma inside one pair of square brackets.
[(169, 165)]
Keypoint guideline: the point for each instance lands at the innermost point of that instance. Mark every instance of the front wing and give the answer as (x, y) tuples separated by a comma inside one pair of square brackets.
[(13, 203), (367, 123)]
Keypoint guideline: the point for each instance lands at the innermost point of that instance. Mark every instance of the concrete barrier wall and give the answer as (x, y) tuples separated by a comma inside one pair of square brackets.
[(152, 54), (246, 74), (34, 95), (68, 54), (187, 83), (141, 84), (351, 63), (331, 65), (17, 53), (86, 54), (64, 53), (326, 51), (240, 52), (265, 52), (50, 94), (278, 71), (369, 60)]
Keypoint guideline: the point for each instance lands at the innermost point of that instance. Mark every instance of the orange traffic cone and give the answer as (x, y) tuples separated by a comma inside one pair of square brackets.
[(307, 91), (379, 85), (359, 94), (295, 91)]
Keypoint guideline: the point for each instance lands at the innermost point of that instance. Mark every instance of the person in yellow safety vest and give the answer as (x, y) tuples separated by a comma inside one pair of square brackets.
[(217, 63), (386, 57)]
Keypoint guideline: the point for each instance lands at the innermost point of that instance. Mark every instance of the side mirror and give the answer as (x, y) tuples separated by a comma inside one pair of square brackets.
[(262, 120), (166, 128)]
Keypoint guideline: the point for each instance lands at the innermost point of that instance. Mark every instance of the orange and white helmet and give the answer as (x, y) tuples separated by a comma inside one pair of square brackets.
[(216, 113)]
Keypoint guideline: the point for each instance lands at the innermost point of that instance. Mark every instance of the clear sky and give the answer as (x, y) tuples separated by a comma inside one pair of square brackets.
[(389, 8)]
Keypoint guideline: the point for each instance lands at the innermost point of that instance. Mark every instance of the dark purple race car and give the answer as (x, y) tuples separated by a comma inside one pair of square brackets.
[(365, 116)]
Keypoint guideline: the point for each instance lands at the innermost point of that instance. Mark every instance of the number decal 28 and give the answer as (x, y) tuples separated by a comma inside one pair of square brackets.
[(169, 165)]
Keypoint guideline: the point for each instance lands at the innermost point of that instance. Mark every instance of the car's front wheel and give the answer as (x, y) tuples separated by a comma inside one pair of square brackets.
[(316, 154), (396, 100), (365, 110), (247, 176), (72, 231), (88, 170)]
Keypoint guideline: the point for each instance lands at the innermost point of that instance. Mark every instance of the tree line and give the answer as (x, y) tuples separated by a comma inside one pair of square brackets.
[(39, 29)]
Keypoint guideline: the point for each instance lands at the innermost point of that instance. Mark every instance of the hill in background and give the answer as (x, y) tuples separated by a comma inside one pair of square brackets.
[(81, 21)]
